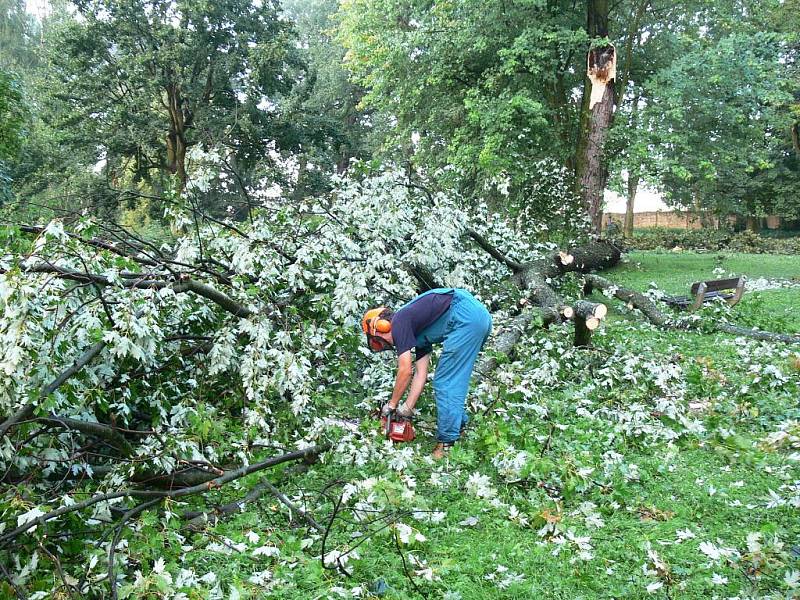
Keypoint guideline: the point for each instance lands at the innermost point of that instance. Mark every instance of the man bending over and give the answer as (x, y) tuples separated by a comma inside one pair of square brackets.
[(448, 316)]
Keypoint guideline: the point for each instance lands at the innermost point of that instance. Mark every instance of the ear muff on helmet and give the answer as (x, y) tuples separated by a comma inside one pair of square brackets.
[(376, 321), (383, 326)]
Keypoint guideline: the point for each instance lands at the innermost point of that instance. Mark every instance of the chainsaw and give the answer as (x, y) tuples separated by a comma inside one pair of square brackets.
[(397, 428)]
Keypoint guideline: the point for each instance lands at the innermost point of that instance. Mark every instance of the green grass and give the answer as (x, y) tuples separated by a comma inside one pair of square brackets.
[(674, 272)]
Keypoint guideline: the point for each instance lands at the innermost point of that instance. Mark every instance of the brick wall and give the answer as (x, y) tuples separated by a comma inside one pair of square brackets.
[(677, 220), (673, 220)]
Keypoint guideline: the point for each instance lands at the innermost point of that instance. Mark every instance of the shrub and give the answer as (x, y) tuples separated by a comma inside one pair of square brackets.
[(713, 240)]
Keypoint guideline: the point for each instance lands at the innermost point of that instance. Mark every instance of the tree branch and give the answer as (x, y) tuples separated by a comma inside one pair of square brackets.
[(658, 318), (146, 281), (179, 493), (26, 412), (494, 252)]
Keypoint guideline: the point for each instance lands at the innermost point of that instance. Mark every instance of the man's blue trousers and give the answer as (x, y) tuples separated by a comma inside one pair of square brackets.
[(462, 330)]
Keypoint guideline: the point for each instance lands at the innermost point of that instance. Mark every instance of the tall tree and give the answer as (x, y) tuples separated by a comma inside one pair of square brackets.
[(13, 116), (18, 30), (143, 81), (597, 112), (334, 97), (478, 91), (719, 126)]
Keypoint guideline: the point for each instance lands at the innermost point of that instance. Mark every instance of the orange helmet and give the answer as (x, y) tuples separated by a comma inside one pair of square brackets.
[(377, 320)]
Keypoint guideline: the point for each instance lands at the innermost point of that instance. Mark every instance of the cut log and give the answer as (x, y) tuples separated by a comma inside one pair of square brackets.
[(586, 310), (592, 323)]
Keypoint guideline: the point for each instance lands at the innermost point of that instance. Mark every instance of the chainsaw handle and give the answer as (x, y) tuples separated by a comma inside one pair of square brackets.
[(388, 430)]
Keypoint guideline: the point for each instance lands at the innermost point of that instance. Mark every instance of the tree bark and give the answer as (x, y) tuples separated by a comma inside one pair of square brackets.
[(633, 184), (597, 112), (583, 332), (179, 121)]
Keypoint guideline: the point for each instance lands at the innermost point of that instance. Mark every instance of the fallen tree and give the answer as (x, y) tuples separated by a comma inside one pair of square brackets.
[(536, 278), (156, 371)]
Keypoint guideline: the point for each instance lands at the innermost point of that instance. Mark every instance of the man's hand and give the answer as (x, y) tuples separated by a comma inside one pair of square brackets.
[(387, 410)]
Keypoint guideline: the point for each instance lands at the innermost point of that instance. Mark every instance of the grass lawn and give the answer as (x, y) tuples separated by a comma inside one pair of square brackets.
[(674, 273)]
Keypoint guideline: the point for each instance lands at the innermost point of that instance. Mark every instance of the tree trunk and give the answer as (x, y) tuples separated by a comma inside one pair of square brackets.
[(179, 121), (536, 277), (587, 318), (796, 139), (753, 224), (597, 112), (633, 185)]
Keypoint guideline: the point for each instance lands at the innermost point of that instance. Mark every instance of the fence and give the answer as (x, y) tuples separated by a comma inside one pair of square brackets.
[(679, 220)]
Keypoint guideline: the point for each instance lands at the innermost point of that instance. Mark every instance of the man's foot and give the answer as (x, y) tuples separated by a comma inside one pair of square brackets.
[(440, 450)]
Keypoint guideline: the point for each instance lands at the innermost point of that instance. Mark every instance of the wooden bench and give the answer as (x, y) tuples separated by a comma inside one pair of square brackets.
[(730, 290)]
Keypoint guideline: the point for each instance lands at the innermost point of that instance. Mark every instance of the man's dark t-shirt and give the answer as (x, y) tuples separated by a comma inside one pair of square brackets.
[(416, 316)]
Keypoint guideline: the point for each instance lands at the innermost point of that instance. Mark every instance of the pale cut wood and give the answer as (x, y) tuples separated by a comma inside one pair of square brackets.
[(565, 258), (586, 309)]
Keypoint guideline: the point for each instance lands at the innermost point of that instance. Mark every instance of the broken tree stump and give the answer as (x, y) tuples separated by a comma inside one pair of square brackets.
[(587, 318)]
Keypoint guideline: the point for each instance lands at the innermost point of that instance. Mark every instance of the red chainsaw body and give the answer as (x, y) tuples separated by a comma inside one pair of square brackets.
[(398, 430)]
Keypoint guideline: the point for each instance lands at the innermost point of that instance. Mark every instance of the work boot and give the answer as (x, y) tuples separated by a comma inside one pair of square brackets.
[(440, 450)]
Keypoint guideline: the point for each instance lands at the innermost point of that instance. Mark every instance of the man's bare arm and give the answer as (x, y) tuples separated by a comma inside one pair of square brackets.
[(418, 382), (402, 379)]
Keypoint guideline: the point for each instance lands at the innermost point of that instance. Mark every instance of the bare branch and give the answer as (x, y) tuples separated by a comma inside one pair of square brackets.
[(179, 493), (494, 252)]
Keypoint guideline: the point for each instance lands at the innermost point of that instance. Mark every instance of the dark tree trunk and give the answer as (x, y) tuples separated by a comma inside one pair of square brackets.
[(597, 112), (633, 185), (179, 121)]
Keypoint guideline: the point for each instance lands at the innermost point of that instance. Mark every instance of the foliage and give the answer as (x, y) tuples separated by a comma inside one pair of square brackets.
[(719, 144), (713, 239), (573, 442), (13, 118), (333, 96), (171, 77), (302, 273), (477, 90), (219, 308), (18, 30)]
